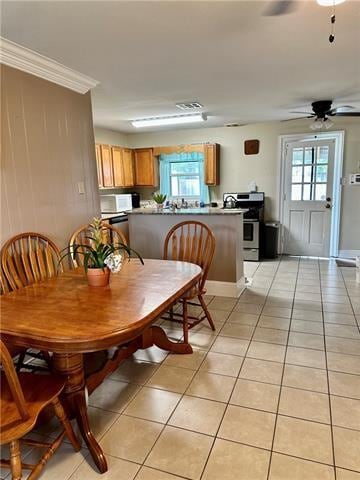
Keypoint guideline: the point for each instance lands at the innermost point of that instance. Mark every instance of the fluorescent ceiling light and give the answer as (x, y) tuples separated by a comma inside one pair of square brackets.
[(173, 120), (329, 3)]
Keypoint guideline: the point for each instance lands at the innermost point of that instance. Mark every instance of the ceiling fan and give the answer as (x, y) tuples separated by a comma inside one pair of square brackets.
[(276, 8), (322, 112), (283, 7)]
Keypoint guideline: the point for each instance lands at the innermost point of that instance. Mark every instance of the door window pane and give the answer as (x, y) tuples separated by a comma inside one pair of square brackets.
[(295, 192), (307, 191), (297, 156), (308, 174), (320, 191), (296, 175), (321, 173), (323, 155), (309, 155)]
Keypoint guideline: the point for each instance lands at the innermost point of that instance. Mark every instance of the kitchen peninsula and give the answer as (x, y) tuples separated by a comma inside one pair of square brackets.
[(148, 228)]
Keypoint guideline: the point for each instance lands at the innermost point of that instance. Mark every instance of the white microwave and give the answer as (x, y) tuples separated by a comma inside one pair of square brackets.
[(116, 203)]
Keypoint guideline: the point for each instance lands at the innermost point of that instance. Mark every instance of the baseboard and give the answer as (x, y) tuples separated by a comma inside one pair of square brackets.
[(225, 289), (349, 253)]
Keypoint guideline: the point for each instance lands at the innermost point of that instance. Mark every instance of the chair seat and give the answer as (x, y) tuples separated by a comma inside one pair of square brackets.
[(39, 391)]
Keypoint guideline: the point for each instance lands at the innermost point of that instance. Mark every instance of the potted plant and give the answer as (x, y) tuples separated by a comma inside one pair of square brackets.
[(159, 199), (99, 258)]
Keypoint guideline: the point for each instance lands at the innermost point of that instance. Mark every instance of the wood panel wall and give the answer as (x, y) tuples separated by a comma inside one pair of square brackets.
[(47, 147)]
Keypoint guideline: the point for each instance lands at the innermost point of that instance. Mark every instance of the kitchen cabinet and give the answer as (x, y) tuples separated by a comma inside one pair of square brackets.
[(212, 163), (128, 167), (115, 166), (107, 166), (145, 167), (118, 169), (99, 166)]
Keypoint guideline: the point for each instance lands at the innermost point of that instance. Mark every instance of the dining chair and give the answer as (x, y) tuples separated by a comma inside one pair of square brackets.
[(29, 258), (23, 397), (81, 237), (193, 242)]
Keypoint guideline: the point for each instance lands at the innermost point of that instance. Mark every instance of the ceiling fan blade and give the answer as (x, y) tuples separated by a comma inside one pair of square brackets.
[(347, 114), (343, 108), (279, 7), (305, 113), (298, 118)]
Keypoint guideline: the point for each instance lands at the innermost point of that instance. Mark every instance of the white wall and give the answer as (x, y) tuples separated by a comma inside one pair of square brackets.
[(110, 137), (237, 170)]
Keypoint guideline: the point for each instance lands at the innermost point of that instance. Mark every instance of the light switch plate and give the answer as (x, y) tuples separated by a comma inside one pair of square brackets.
[(81, 188)]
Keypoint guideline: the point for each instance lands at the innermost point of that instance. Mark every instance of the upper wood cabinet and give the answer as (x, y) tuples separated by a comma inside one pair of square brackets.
[(99, 165), (145, 167), (128, 167), (115, 166), (212, 163), (107, 166), (118, 168)]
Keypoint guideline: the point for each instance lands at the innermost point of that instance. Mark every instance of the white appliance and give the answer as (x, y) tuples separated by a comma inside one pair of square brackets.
[(116, 203)]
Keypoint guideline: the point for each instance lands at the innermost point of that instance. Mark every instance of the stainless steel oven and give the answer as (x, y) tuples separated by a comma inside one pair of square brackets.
[(251, 233), (251, 240), (253, 219)]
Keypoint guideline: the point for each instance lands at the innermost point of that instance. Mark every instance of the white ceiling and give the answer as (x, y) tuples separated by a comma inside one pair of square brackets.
[(242, 66)]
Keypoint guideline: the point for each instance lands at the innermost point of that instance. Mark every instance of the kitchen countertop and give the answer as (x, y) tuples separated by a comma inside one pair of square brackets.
[(107, 216), (187, 211)]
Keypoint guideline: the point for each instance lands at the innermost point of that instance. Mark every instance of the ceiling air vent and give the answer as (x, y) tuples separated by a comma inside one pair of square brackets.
[(189, 105)]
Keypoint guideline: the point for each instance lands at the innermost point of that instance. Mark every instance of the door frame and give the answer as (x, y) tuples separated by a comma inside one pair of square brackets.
[(339, 137)]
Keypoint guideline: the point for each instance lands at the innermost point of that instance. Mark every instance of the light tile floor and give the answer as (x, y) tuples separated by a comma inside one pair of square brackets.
[(273, 394)]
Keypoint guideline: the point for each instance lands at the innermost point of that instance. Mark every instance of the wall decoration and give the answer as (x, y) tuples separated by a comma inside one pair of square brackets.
[(251, 147)]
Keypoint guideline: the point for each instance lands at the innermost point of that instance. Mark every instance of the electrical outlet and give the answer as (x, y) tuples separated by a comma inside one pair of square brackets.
[(81, 188)]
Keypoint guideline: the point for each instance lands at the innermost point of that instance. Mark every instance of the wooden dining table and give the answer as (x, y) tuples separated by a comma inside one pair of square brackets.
[(65, 316)]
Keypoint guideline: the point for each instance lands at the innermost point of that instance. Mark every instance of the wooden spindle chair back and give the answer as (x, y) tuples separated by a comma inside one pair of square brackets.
[(13, 382), (81, 236), (4, 287), (22, 399), (29, 258), (26, 259), (193, 242)]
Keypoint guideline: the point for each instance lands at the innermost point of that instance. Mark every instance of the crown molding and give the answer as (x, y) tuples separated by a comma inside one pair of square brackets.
[(17, 56)]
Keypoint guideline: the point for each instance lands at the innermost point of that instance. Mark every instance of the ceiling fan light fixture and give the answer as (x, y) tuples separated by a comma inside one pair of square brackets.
[(320, 123), (316, 124), (327, 123), (329, 3)]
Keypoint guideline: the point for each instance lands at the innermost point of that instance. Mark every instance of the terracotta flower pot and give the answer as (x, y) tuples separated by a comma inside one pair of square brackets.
[(97, 277)]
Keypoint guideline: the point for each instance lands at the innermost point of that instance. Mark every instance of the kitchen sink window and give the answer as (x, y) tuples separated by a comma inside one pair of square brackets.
[(182, 176)]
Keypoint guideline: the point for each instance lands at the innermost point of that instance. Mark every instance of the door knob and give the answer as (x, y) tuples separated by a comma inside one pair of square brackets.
[(328, 205)]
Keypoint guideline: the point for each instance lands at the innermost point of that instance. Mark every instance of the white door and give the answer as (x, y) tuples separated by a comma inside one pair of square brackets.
[(308, 193)]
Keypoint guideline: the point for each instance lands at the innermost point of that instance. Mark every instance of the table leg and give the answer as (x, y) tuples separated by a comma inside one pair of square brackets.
[(155, 335), (71, 366)]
